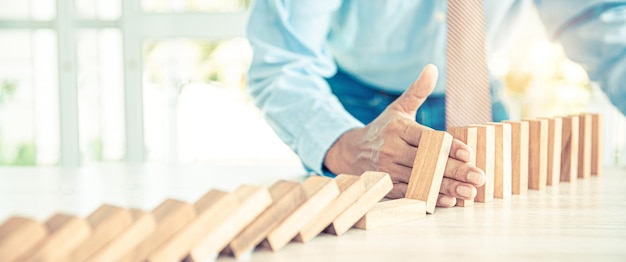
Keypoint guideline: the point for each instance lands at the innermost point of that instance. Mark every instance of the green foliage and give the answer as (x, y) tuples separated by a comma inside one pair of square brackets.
[(7, 90)]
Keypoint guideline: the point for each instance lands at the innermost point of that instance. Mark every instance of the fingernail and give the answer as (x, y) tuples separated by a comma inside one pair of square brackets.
[(464, 191), (463, 155), (476, 178)]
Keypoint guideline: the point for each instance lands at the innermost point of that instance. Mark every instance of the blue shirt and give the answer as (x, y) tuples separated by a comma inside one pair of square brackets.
[(299, 43)]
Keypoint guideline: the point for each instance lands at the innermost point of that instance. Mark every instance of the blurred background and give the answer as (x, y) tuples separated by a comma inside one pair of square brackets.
[(85, 82)]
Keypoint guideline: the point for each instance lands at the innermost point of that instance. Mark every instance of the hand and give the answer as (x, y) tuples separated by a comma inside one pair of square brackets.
[(389, 144)]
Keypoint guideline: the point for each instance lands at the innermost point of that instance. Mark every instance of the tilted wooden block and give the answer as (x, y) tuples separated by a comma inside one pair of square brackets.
[(569, 149), (538, 153), (502, 166), (469, 136), (106, 223), (320, 191), (351, 188), (142, 226), (253, 200), (286, 198), (377, 185), (597, 144), (485, 160), (585, 127), (519, 157), (66, 232), (555, 136), (212, 210), (18, 235), (392, 212), (171, 216)]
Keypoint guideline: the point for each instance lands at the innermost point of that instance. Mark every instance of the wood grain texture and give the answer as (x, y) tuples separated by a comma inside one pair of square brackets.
[(286, 198), (569, 149), (66, 232), (519, 157), (538, 153), (18, 235), (377, 185), (585, 127), (351, 187), (597, 144), (469, 136), (502, 166), (555, 137), (142, 226), (485, 156), (392, 212), (428, 168), (253, 200)]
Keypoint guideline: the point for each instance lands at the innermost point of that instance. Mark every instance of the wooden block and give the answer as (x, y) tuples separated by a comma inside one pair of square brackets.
[(469, 136), (538, 153), (350, 189), (485, 156), (428, 168), (392, 212), (519, 157), (65, 233), (171, 216), (502, 166), (569, 149), (597, 144), (286, 198), (377, 185), (18, 235), (253, 200), (555, 136), (320, 191), (142, 226), (585, 127), (212, 210)]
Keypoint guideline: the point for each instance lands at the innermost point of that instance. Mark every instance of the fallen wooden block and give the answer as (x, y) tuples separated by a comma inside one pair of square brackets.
[(351, 188), (170, 216), (585, 127), (18, 235), (502, 166), (212, 210), (320, 191), (469, 136), (569, 149), (555, 137), (377, 185), (65, 233), (253, 200), (392, 212), (428, 168), (106, 223), (538, 153), (597, 144), (485, 160), (142, 226), (519, 157), (286, 198)]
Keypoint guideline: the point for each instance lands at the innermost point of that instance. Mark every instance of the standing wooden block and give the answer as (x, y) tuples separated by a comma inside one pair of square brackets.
[(350, 189), (286, 198), (320, 191), (428, 168), (569, 151), (377, 185), (538, 153), (391, 212), (171, 216), (211, 210), (469, 136), (555, 137), (519, 157), (65, 233), (18, 235), (253, 200), (585, 126), (142, 226), (485, 160), (597, 144), (106, 223), (502, 166)]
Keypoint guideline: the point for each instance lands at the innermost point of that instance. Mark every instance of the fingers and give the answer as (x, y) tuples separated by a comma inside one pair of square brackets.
[(464, 172), (398, 191), (417, 92), (461, 151), (457, 189), (445, 201)]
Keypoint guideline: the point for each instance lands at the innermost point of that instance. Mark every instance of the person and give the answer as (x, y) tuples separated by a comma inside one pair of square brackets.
[(335, 78)]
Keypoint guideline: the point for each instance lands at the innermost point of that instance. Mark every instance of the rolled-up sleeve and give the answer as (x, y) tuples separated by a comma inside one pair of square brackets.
[(287, 76)]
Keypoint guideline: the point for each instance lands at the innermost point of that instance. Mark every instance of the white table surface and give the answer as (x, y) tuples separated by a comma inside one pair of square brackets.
[(582, 221)]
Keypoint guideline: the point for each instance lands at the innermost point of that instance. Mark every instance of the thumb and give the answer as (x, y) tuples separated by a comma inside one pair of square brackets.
[(417, 92)]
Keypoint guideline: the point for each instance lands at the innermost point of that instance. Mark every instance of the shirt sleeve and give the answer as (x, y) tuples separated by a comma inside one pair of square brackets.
[(287, 77), (593, 34)]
